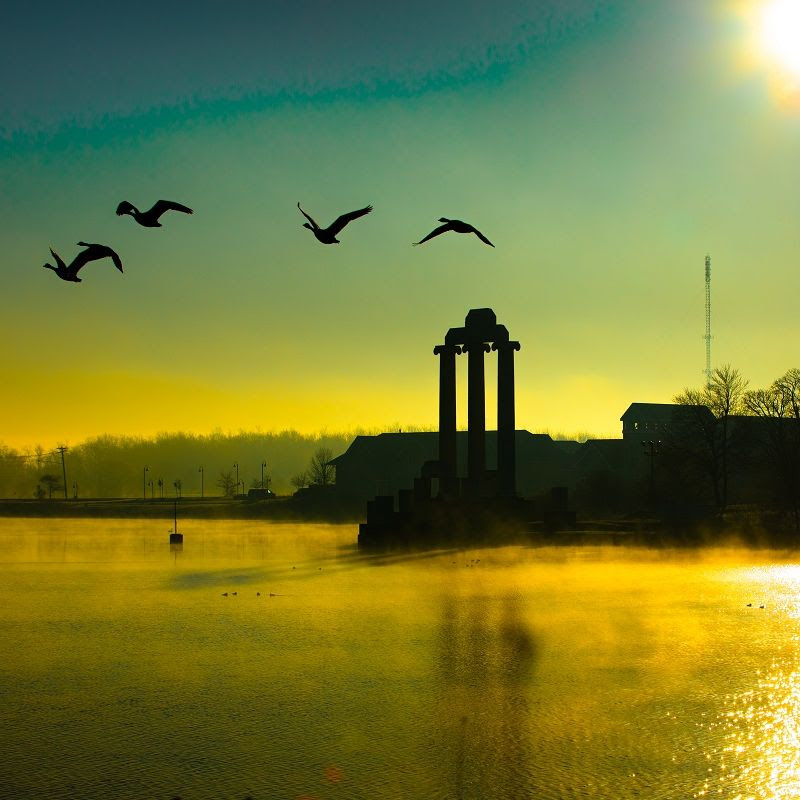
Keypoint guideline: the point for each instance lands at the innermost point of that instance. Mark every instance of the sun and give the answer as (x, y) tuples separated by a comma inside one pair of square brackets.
[(780, 34)]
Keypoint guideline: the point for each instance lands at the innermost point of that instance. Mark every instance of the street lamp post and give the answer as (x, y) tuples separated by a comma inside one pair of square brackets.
[(263, 466), (152, 490), (75, 490), (202, 476), (144, 481), (161, 487), (236, 466)]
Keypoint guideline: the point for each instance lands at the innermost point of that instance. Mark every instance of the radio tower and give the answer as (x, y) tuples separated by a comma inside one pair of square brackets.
[(707, 337)]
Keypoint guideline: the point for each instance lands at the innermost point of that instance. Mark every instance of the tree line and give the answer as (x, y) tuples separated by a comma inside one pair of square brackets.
[(746, 449), (172, 464)]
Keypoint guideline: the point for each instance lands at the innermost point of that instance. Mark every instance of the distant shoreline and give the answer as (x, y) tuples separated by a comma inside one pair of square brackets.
[(735, 530), (281, 508)]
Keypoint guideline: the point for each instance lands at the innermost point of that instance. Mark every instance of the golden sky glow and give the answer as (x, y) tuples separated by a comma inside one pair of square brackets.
[(604, 157)]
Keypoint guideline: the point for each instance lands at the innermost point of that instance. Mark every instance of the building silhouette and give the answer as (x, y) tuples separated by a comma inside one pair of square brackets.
[(454, 496), (675, 462)]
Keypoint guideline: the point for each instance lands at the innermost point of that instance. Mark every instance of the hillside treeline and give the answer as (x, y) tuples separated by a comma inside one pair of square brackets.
[(114, 466)]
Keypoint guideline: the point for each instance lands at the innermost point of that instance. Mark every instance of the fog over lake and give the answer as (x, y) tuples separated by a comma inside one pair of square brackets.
[(126, 672)]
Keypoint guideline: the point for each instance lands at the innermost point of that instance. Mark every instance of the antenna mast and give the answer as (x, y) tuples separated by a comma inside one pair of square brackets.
[(707, 337)]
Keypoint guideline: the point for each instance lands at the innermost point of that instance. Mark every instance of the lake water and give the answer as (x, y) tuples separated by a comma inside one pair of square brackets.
[(510, 673)]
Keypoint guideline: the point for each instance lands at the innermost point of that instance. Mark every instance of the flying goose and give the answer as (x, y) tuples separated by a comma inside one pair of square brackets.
[(93, 252), (149, 219), (328, 235), (454, 225)]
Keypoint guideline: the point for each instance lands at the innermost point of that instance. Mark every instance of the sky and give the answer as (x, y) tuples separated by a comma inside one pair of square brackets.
[(604, 147)]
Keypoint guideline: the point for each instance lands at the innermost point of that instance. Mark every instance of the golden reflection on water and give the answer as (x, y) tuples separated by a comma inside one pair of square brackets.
[(277, 661), (759, 752), (756, 734)]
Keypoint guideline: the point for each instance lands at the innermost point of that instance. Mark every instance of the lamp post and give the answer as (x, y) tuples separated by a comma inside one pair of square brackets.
[(152, 491), (161, 487), (263, 466), (144, 481), (202, 476), (236, 466), (75, 490)]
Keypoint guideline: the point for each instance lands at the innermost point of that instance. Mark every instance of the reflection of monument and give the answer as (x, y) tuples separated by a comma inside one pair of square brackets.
[(443, 504), (486, 724)]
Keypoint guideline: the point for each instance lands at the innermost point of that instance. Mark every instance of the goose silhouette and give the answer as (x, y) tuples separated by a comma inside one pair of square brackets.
[(328, 235), (93, 252), (457, 226), (149, 219)]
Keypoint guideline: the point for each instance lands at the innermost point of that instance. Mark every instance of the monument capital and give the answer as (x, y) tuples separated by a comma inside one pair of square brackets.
[(507, 345)]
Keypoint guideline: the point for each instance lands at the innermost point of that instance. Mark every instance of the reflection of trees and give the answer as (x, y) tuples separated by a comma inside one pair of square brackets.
[(486, 658)]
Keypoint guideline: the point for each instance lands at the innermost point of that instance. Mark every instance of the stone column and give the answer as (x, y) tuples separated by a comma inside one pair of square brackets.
[(448, 482), (506, 422), (476, 415)]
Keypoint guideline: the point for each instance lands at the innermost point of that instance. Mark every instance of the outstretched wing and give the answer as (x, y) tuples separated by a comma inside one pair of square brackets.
[(482, 237), (313, 224), (59, 261), (340, 222), (168, 205), (435, 232), (94, 252), (114, 256)]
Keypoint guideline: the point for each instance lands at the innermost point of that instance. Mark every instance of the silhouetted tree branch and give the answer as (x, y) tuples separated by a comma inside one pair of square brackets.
[(723, 395), (227, 483), (320, 471), (300, 480), (52, 483), (780, 406)]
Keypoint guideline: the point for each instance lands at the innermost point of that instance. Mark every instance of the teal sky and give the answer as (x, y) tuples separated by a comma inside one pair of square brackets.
[(604, 147)]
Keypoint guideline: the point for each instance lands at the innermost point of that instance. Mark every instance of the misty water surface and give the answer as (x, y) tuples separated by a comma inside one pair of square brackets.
[(508, 673)]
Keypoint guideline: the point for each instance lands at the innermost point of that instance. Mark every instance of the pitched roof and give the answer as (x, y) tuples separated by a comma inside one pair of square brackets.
[(660, 411), (421, 446)]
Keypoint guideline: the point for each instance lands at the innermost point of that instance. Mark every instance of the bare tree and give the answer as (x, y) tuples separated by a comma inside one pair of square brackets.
[(300, 480), (788, 386), (320, 471), (779, 406), (227, 483), (724, 396), (51, 482)]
